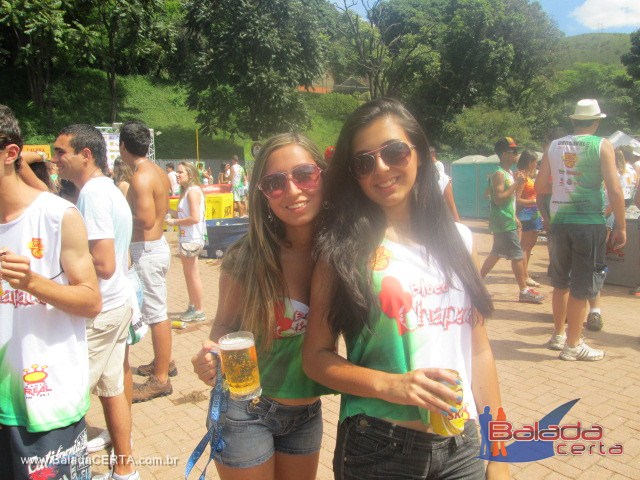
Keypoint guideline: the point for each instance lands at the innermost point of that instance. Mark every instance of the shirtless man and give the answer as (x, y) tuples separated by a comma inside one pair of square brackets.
[(148, 197)]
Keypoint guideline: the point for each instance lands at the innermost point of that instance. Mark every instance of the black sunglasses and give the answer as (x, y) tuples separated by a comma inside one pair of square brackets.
[(304, 176), (394, 154)]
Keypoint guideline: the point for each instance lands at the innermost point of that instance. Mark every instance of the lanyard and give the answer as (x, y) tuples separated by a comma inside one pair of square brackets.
[(217, 404)]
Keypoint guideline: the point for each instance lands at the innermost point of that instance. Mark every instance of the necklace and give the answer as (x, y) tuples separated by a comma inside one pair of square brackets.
[(138, 164)]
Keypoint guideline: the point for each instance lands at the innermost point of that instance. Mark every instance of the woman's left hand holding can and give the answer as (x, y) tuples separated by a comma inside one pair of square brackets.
[(205, 363)]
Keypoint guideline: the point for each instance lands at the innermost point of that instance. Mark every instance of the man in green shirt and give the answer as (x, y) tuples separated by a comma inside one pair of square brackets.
[(503, 222), (572, 171)]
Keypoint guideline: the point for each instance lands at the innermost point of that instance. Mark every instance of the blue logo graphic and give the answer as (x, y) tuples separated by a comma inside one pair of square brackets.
[(519, 451)]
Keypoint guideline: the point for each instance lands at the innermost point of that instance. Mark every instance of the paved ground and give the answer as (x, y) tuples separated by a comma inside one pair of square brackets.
[(533, 381)]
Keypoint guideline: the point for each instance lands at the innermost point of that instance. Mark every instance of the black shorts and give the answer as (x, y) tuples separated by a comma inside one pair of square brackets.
[(577, 258), (60, 453)]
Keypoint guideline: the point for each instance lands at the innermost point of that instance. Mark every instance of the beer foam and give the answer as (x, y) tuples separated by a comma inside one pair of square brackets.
[(235, 343)]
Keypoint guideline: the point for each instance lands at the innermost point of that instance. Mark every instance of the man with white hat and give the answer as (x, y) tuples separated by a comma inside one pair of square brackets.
[(572, 171)]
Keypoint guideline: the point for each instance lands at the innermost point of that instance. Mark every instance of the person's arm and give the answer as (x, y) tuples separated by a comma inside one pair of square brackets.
[(450, 201), (322, 363), (193, 197), (103, 253), (82, 296), (618, 236), (140, 198), (543, 189), (27, 174), (636, 198), (498, 193), (227, 320)]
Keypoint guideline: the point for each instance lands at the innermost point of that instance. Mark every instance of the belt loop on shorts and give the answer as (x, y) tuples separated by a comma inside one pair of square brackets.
[(273, 407), (458, 440), (407, 444)]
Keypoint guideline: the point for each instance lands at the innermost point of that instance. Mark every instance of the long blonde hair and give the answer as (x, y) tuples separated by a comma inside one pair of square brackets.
[(254, 261), (194, 177)]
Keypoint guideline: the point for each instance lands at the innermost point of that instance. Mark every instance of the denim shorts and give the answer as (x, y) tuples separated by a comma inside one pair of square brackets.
[(507, 245), (254, 429), (152, 264), (577, 259), (371, 448)]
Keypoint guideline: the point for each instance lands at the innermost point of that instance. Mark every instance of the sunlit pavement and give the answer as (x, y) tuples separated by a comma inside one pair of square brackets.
[(533, 381)]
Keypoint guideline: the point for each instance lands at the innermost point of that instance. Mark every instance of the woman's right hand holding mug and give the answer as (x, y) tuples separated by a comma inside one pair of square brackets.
[(205, 363)]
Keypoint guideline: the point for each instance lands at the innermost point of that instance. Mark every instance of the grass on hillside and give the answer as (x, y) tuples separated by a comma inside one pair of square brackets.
[(602, 48)]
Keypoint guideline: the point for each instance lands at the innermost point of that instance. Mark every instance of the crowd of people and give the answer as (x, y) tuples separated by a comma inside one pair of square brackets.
[(365, 245)]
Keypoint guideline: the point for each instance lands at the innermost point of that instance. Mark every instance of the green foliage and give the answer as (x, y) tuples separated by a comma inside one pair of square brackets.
[(250, 58), (332, 105), (601, 48), (631, 59), (476, 130)]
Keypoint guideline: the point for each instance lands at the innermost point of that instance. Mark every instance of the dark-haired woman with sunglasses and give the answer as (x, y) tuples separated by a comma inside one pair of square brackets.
[(265, 288), (396, 277)]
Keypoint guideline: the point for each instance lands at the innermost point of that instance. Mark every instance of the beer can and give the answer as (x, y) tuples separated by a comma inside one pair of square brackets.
[(453, 423), (178, 324)]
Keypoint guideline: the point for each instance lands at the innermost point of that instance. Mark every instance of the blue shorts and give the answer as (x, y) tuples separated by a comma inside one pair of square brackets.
[(254, 430), (371, 448)]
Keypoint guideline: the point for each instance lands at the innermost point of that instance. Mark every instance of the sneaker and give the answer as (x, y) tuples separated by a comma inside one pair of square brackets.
[(594, 322), (194, 316), (151, 389), (530, 296), (532, 283), (556, 342), (102, 441), (148, 369), (582, 352), (189, 309)]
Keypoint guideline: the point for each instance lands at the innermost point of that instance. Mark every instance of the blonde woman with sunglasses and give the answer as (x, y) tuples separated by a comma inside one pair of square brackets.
[(397, 278), (264, 288)]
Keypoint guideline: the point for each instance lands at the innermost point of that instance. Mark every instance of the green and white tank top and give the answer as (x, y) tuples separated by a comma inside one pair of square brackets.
[(577, 193)]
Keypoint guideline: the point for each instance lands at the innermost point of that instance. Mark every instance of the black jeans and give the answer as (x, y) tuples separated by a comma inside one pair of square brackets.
[(370, 448)]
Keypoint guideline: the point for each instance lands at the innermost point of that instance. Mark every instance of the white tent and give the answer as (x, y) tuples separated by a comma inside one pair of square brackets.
[(619, 139)]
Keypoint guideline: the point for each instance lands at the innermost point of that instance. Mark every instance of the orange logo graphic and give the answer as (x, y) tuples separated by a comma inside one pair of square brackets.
[(37, 248), (570, 159), (37, 374), (380, 259), (35, 384)]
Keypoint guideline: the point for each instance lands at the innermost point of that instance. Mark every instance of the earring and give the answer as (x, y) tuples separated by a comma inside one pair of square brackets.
[(325, 205), (270, 214)]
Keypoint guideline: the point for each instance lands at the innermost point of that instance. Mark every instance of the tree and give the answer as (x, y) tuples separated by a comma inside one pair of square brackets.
[(631, 60), (382, 48), (41, 38), (251, 56)]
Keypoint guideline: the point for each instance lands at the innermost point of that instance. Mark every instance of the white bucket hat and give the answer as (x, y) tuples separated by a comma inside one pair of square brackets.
[(587, 109)]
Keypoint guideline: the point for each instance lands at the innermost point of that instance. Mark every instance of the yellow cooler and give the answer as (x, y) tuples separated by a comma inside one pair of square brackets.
[(218, 205)]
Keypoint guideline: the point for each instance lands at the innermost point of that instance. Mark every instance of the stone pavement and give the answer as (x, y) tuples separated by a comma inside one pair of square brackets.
[(533, 380)]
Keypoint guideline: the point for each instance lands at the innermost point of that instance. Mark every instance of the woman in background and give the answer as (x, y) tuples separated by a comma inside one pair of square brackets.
[(527, 210)]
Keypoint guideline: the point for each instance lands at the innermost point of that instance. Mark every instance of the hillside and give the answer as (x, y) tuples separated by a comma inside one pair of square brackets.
[(603, 48)]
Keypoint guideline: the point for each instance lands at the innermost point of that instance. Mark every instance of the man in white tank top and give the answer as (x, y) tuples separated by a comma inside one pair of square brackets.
[(80, 153), (49, 289)]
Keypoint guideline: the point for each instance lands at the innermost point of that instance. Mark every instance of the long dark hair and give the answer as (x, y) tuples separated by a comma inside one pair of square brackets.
[(355, 225)]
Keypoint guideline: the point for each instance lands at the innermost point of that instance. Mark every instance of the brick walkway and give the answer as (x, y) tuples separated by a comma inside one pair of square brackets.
[(533, 380)]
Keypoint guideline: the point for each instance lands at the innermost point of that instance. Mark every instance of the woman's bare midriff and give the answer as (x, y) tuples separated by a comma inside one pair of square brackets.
[(296, 401)]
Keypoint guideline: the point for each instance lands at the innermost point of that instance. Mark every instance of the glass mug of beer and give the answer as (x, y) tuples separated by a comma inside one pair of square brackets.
[(240, 365)]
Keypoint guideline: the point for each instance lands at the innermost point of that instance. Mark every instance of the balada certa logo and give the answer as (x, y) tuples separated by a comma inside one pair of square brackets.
[(503, 441)]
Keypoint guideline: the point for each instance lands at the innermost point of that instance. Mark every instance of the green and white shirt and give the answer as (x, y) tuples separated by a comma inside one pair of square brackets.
[(422, 322), (577, 193), (44, 372)]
